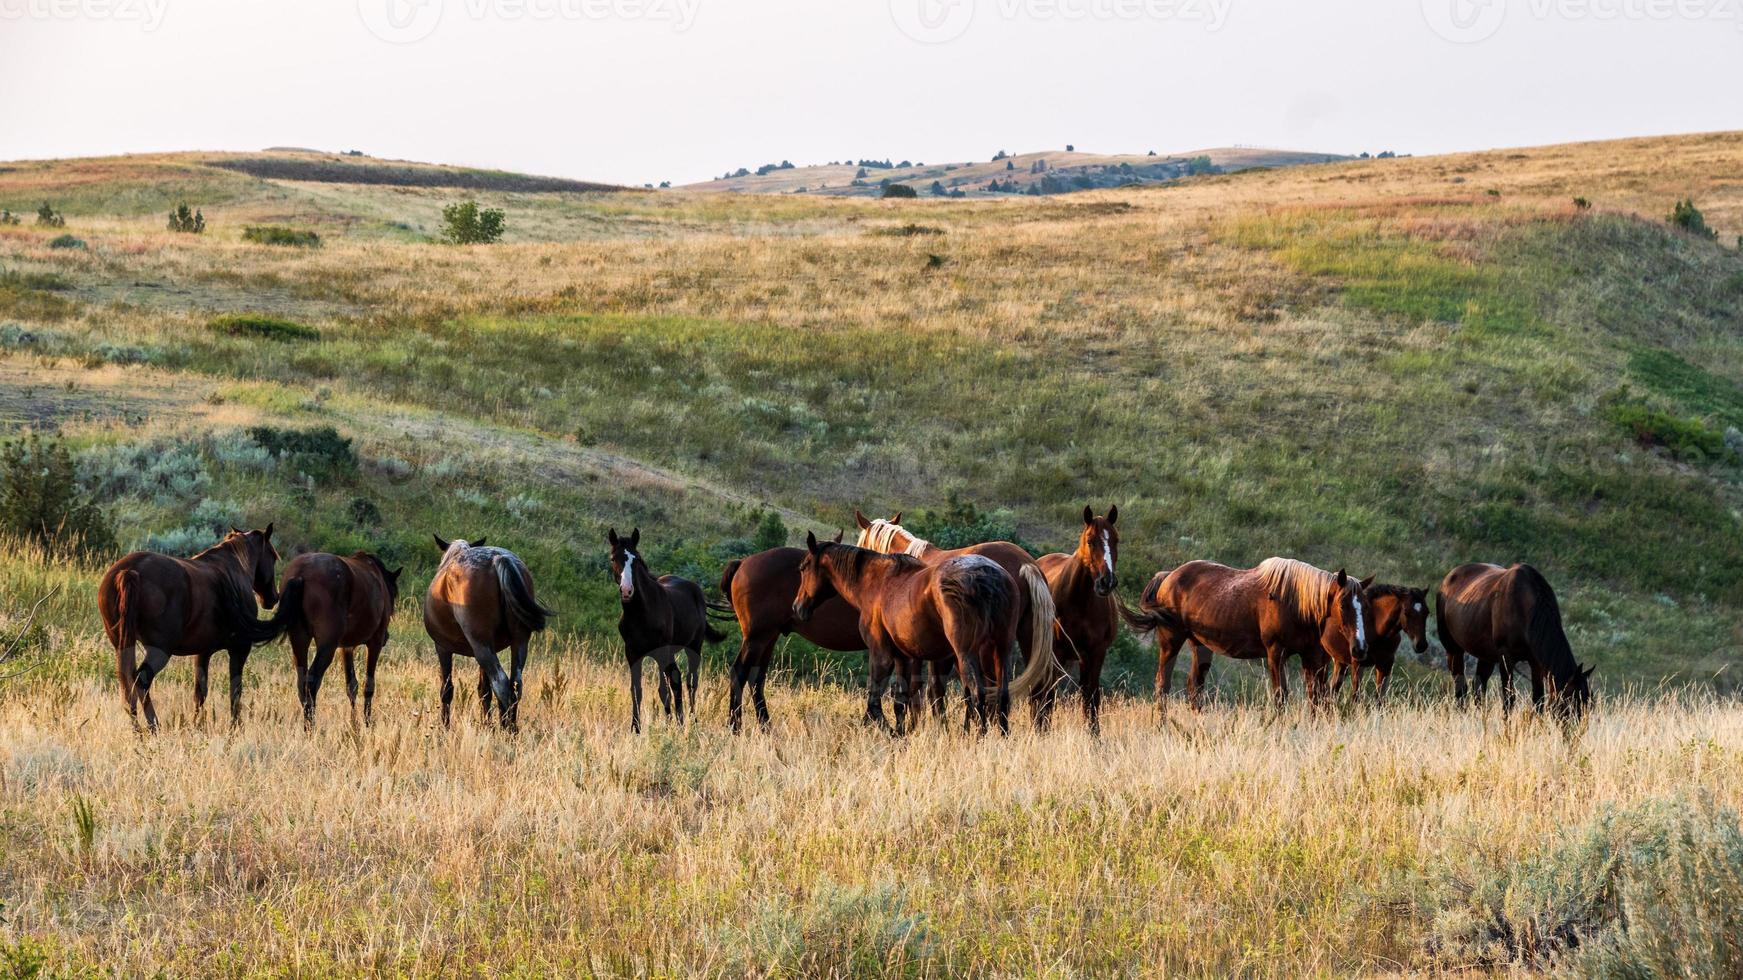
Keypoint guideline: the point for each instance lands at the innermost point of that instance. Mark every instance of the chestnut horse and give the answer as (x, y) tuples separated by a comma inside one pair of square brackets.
[(192, 607), (1280, 609), (1035, 612), (481, 601), (963, 607), (760, 590), (660, 616), (1083, 585), (1504, 616), (1398, 611), (343, 603)]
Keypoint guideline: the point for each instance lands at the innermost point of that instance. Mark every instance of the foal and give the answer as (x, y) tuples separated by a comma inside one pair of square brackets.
[(660, 616), (1398, 611)]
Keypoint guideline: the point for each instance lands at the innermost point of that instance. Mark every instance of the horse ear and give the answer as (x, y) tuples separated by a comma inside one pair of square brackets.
[(395, 573), (479, 543), (1367, 582), (811, 544), (838, 535), (896, 519), (1342, 578), (1113, 513), (611, 536), (1588, 671), (269, 530), (1088, 515), (233, 529), (860, 519), (635, 537), (442, 545)]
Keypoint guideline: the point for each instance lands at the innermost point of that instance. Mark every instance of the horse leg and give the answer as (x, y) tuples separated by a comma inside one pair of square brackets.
[(299, 647), (1338, 672), (692, 671), (740, 676), (938, 686), (1002, 662), (1536, 686), (156, 660), (1201, 661), (317, 673), (1479, 683), (1167, 648), (759, 681), (880, 663), (635, 694), (1455, 665), (369, 683), (1313, 677), (675, 681), (445, 666), (1274, 656), (202, 674), (518, 667), (348, 656), (238, 660), (1506, 687), (490, 666), (1089, 682), (900, 685), (665, 685), (484, 695)]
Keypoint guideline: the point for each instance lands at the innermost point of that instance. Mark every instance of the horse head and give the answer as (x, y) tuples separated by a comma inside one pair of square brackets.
[(1575, 693), (1100, 548), (1352, 616), (260, 559), (880, 535), (1415, 619), (814, 583), (623, 559)]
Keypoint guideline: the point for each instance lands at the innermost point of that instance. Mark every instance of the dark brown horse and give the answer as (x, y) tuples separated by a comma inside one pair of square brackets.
[(1504, 616), (343, 603), (1398, 611), (1280, 609), (963, 608), (481, 602), (1083, 585), (192, 607), (1035, 613), (660, 616), (760, 590)]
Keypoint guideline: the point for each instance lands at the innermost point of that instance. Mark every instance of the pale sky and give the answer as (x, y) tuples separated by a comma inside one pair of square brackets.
[(636, 91)]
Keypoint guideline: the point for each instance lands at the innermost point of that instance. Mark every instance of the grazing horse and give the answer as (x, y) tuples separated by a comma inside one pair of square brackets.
[(1083, 585), (760, 590), (1398, 611), (343, 603), (1503, 616), (1280, 609), (190, 607), (963, 607), (1035, 612), (660, 616), (480, 602)]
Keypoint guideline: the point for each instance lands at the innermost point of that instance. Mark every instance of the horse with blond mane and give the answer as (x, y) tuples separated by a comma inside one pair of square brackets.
[(1036, 615), (1281, 608), (481, 601)]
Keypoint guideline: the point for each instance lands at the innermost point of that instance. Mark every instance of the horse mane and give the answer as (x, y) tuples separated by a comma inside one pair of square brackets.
[(864, 556), (1544, 632), (1299, 585), (456, 547), (1396, 591), (882, 532)]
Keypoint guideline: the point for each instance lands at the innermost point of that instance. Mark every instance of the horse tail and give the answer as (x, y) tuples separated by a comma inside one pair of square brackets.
[(518, 603), (711, 634), (289, 611), (726, 575), (722, 607), (127, 631), (1543, 630), (1150, 615), (979, 591), (1043, 661)]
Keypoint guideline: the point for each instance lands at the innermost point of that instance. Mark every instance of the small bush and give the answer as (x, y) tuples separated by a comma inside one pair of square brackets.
[(187, 222), (268, 327), (1688, 438), (67, 241), (466, 224), (41, 498), (908, 231), (1689, 218), (318, 448), (771, 532), (1581, 204), (164, 472), (960, 523), (8, 218), (280, 235), (900, 190), (363, 512), (48, 217), (10, 279)]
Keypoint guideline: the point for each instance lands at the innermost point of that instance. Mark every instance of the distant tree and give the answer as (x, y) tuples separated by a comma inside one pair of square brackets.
[(186, 222), (1689, 218), (771, 532), (900, 190), (1151, 153), (787, 165), (741, 172), (1201, 165), (861, 174), (49, 217), (1000, 156), (665, 183), (937, 189), (903, 165), (466, 224), (1385, 155), (1070, 149), (1010, 164)]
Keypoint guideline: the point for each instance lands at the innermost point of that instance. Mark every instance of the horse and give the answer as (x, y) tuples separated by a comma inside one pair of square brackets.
[(1279, 609), (480, 602), (659, 617), (759, 590), (1398, 611), (964, 607), (1502, 616), (343, 602), (1082, 584), (190, 607), (1035, 611)]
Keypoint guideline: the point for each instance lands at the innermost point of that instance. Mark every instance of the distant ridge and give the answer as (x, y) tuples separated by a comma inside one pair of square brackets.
[(328, 169)]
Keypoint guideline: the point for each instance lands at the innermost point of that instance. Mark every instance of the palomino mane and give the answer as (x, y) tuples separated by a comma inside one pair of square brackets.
[(1296, 583), (879, 536)]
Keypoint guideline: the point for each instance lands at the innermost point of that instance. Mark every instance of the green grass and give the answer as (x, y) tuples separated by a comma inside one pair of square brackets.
[(266, 327)]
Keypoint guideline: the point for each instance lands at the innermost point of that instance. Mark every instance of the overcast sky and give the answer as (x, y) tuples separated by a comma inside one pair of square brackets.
[(647, 90)]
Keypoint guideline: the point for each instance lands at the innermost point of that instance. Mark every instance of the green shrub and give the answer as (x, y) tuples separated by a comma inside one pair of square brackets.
[(466, 224), (162, 472), (8, 218), (1688, 438), (1582, 204), (771, 532), (10, 279), (899, 190), (268, 327), (1689, 218), (960, 523), (41, 498), (48, 217), (280, 235), (908, 231), (186, 222), (67, 241), (318, 448)]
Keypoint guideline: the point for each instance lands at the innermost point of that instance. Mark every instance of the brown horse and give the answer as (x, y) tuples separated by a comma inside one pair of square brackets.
[(1035, 612), (660, 616), (481, 601), (1398, 611), (1083, 585), (1280, 609), (343, 603), (761, 589), (190, 607), (1503, 616), (964, 607)]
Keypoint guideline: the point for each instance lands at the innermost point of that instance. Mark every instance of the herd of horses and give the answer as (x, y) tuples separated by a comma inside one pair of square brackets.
[(921, 614)]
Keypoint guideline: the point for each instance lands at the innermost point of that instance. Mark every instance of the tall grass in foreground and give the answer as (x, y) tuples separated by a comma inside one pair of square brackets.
[(1235, 842)]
